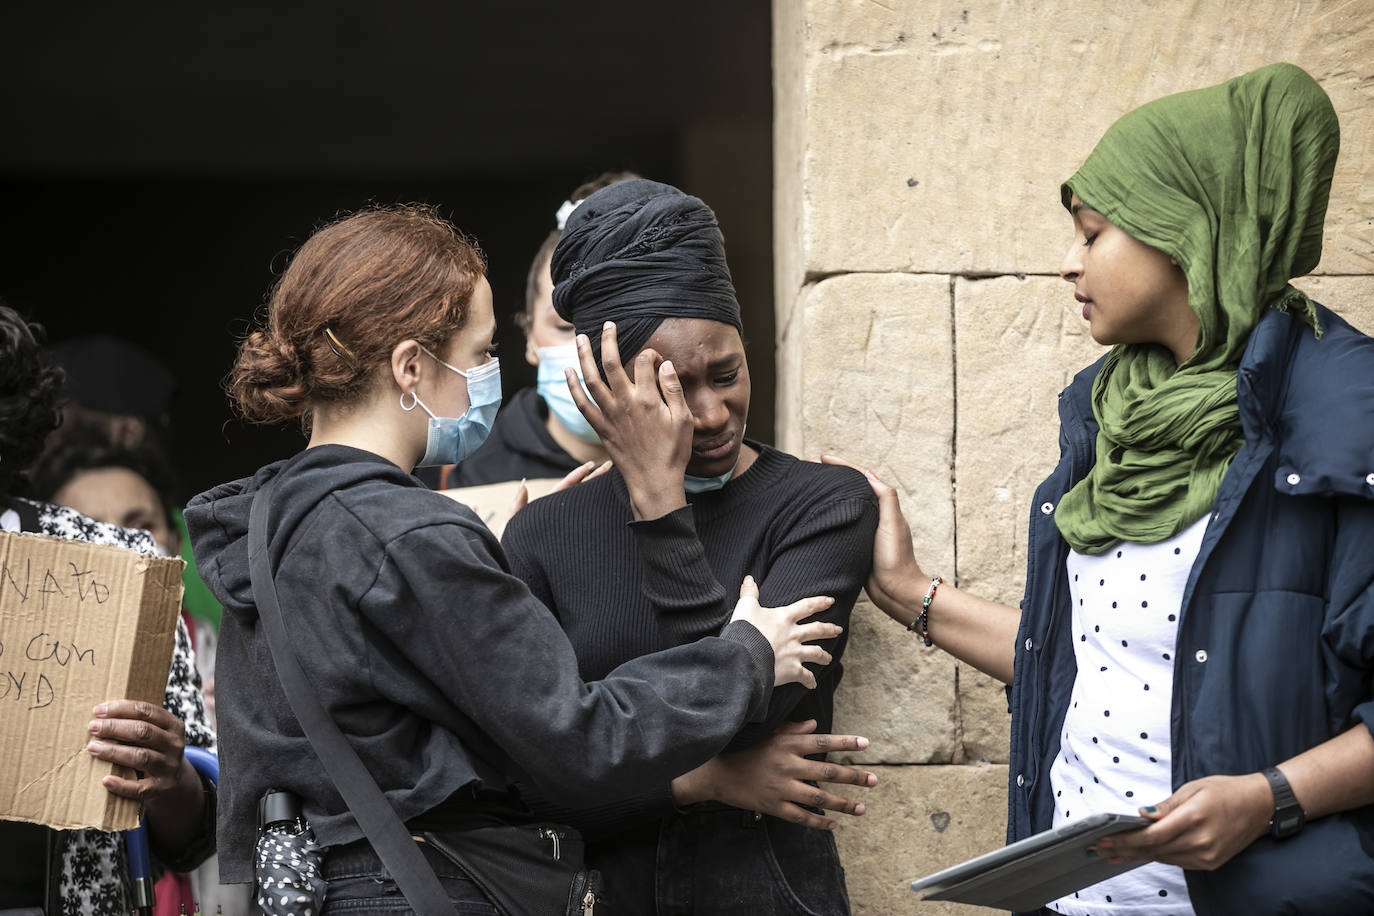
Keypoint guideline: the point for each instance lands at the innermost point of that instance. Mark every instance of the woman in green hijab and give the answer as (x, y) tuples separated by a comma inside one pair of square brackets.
[(1197, 633)]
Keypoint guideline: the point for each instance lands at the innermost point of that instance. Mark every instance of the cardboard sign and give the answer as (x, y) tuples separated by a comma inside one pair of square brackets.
[(492, 501), (79, 624)]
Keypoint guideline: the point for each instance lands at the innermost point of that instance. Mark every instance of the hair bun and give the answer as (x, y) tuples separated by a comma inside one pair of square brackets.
[(267, 384)]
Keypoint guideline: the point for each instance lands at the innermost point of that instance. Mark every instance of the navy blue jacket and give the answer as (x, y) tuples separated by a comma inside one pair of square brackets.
[(1276, 632)]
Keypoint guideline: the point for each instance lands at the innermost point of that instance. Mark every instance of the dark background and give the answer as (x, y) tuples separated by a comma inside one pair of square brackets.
[(159, 163)]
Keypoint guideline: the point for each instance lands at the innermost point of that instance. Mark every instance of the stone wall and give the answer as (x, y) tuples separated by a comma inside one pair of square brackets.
[(922, 328)]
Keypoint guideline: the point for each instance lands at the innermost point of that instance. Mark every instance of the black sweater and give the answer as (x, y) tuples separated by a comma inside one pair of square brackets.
[(406, 619), (622, 588)]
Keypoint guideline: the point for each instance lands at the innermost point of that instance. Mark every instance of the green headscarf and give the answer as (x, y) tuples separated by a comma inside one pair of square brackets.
[(1232, 182)]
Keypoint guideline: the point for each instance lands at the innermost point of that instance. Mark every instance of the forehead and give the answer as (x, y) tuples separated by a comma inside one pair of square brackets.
[(1080, 209), (481, 316), (690, 342), (109, 489)]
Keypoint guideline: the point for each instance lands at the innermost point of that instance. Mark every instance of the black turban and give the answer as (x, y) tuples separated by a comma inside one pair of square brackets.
[(638, 252)]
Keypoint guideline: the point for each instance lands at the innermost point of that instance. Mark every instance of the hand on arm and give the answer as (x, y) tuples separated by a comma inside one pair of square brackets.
[(771, 778), (784, 631), (150, 740), (644, 423), (973, 630), (1207, 821)]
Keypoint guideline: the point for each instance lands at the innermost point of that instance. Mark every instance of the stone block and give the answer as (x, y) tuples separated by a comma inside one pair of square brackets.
[(1019, 342), (919, 820), (877, 388), (934, 135), (984, 722), (897, 693)]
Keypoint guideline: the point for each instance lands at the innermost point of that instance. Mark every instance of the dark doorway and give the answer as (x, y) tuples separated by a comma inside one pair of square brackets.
[(160, 161)]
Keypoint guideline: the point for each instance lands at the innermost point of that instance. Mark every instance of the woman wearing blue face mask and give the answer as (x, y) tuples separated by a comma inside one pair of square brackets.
[(540, 433), (397, 601)]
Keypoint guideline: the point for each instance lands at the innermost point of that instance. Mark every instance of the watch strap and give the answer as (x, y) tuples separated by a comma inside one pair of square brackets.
[(1288, 815)]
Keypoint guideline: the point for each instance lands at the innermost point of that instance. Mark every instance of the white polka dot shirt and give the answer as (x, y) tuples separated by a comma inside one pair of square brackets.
[(1115, 754)]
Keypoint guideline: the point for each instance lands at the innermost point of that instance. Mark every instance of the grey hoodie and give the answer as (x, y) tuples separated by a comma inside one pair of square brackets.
[(405, 617)]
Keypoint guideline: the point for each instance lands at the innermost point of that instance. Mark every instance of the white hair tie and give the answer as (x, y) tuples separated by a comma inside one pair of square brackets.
[(561, 217)]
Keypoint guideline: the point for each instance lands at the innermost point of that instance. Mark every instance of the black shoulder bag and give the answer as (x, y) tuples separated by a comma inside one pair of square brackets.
[(528, 870)]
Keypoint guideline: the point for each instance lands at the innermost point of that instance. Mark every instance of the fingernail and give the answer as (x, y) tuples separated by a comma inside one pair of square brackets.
[(101, 709), (830, 825), (862, 743), (581, 342), (95, 726), (606, 463), (668, 364), (522, 483), (96, 747), (859, 810), (568, 374), (608, 326), (1149, 809)]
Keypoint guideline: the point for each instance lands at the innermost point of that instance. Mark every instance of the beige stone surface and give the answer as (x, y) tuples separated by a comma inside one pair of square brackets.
[(878, 389), (789, 138), (920, 819), (934, 135), (1350, 297), (1019, 342), (897, 693), (984, 722)]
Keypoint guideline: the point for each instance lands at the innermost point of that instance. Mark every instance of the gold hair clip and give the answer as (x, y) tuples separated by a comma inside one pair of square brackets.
[(336, 345)]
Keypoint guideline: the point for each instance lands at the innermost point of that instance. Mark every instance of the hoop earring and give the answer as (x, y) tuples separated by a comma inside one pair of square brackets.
[(414, 400)]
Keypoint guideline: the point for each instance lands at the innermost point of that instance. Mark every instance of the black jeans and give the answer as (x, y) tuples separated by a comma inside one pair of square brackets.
[(727, 862), (359, 883)]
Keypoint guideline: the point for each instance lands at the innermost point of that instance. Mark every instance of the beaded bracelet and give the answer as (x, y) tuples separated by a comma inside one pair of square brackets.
[(921, 624)]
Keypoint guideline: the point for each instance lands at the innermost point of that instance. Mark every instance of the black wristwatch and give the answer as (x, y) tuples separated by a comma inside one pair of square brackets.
[(1288, 814)]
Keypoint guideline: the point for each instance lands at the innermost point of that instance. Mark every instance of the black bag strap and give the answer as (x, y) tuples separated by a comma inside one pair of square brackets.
[(378, 820)]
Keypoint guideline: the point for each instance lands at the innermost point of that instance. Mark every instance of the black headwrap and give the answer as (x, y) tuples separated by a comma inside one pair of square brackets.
[(638, 252)]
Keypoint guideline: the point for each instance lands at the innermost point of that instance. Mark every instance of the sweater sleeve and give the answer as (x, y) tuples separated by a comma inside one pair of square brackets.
[(443, 597), (827, 552), (525, 565)]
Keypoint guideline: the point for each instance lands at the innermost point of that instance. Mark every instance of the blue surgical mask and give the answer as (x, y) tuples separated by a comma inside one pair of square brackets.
[(692, 484), (705, 484), (451, 439), (553, 388)]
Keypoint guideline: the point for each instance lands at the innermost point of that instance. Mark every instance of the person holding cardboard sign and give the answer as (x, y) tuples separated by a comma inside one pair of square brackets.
[(83, 871), (444, 674)]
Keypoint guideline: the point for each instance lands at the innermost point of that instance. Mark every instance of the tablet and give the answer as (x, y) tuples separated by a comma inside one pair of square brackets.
[(1030, 873)]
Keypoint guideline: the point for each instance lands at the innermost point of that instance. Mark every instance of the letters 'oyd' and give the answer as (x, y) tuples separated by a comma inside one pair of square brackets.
[(79, 624)]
